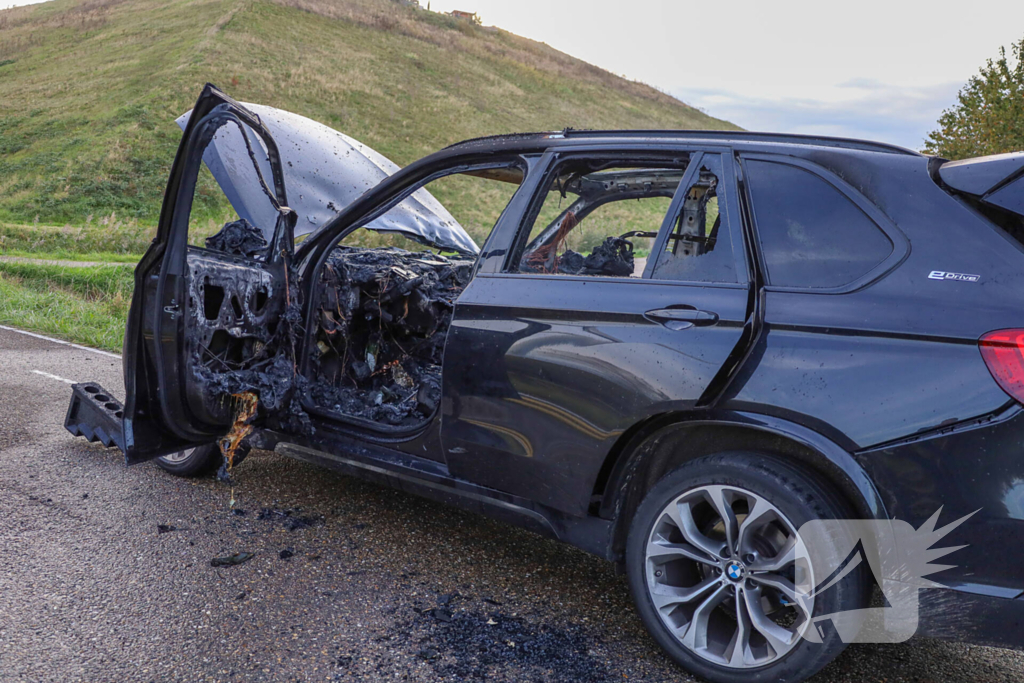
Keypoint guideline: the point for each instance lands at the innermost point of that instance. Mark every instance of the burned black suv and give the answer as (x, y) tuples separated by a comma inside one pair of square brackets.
[(672, 349)]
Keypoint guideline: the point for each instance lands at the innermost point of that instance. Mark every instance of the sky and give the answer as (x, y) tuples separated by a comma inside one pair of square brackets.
[(6, 4), (880, 70)]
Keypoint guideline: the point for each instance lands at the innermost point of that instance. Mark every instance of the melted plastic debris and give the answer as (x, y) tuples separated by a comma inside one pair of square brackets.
[(384, 316), (240, 238), (570, 262), (291, 519), (245, 410), (613, 257), (231, 560)]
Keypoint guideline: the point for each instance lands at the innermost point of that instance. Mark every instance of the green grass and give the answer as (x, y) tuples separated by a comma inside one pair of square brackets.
[(89, 256), (86, 305), (118, 239), (108, 239)]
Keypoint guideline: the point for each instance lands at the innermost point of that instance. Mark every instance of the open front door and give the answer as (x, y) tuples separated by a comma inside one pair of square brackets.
[(204, 323), (214, 321)]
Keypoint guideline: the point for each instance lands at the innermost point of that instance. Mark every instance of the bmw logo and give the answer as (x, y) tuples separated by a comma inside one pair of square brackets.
[(734, 570)]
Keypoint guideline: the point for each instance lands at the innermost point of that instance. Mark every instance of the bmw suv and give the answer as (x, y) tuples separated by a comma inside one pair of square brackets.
[(672, 349)]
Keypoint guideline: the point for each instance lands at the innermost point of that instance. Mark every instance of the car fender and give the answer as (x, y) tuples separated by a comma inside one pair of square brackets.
[(751, 431)]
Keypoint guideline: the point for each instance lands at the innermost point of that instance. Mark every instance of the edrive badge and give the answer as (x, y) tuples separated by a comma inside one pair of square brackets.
[(959, 277)]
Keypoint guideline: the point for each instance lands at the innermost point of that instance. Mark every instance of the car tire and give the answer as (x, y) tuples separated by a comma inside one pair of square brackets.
[(788, 496), (197, 461)]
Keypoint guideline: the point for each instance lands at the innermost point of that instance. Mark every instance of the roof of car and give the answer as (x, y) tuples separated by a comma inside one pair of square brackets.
[(547, 139)]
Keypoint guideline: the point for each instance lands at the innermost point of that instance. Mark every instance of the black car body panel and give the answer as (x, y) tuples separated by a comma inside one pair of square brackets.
[(983, 175), (974, 467), (551, 391), (558, 391)]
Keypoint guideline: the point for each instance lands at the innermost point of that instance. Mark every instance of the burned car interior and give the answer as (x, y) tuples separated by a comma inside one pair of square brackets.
[(383, 318), (612, 215), (382, 312)]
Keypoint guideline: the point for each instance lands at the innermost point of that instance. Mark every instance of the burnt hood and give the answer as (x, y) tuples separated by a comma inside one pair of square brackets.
[(324, 172)]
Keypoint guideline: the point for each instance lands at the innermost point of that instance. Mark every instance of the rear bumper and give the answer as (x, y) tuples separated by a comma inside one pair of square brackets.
[(975, 468), (966, 617), (96, 415)]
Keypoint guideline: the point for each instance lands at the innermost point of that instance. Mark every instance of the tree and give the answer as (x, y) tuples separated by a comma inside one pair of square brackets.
[(988, 117)]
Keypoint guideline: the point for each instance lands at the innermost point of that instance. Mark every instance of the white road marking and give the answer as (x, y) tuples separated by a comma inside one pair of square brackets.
[(60, 341), (56, 377)]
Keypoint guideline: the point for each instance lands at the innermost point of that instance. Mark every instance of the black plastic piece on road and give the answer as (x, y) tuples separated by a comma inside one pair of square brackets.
[(96, 415), (232, 560)]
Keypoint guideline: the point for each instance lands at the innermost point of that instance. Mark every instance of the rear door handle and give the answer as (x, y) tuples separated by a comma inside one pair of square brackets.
[(681, 318)]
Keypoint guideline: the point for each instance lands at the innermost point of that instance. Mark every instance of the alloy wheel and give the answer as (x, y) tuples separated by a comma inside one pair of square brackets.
[(179, 457), (722, 567)]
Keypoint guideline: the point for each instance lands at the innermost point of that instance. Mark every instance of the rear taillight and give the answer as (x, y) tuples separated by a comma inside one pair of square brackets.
[(1003, 351)]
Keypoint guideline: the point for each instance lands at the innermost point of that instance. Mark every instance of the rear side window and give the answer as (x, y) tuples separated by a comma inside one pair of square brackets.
[(812, 235), (698, 247)]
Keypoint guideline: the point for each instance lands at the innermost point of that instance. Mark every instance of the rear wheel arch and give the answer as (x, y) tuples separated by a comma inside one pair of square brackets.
[(657, 446)]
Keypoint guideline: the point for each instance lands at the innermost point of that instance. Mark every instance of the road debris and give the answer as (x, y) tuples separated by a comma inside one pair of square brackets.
[(232, 560), (471, 644), (291, 519), (441, 614)]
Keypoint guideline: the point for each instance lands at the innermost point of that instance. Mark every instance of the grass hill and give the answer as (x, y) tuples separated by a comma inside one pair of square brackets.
[(89, 89)]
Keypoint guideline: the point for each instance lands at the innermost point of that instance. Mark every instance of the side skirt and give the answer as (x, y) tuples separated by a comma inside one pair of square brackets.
[(430, 479)]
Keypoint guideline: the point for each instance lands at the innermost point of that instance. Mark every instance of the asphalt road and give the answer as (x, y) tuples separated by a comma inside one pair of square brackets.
[(380, 586)]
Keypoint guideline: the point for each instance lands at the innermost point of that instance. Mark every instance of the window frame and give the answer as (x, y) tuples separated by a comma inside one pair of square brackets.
[(900, 243), (728, 211), (556, 157)]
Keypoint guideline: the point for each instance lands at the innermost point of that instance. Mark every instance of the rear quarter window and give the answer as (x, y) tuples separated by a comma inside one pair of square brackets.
[(811, 234)]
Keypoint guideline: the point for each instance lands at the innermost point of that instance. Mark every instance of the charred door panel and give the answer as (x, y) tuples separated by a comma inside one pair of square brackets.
[(543, 374), (232, 312), (382, 319)]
